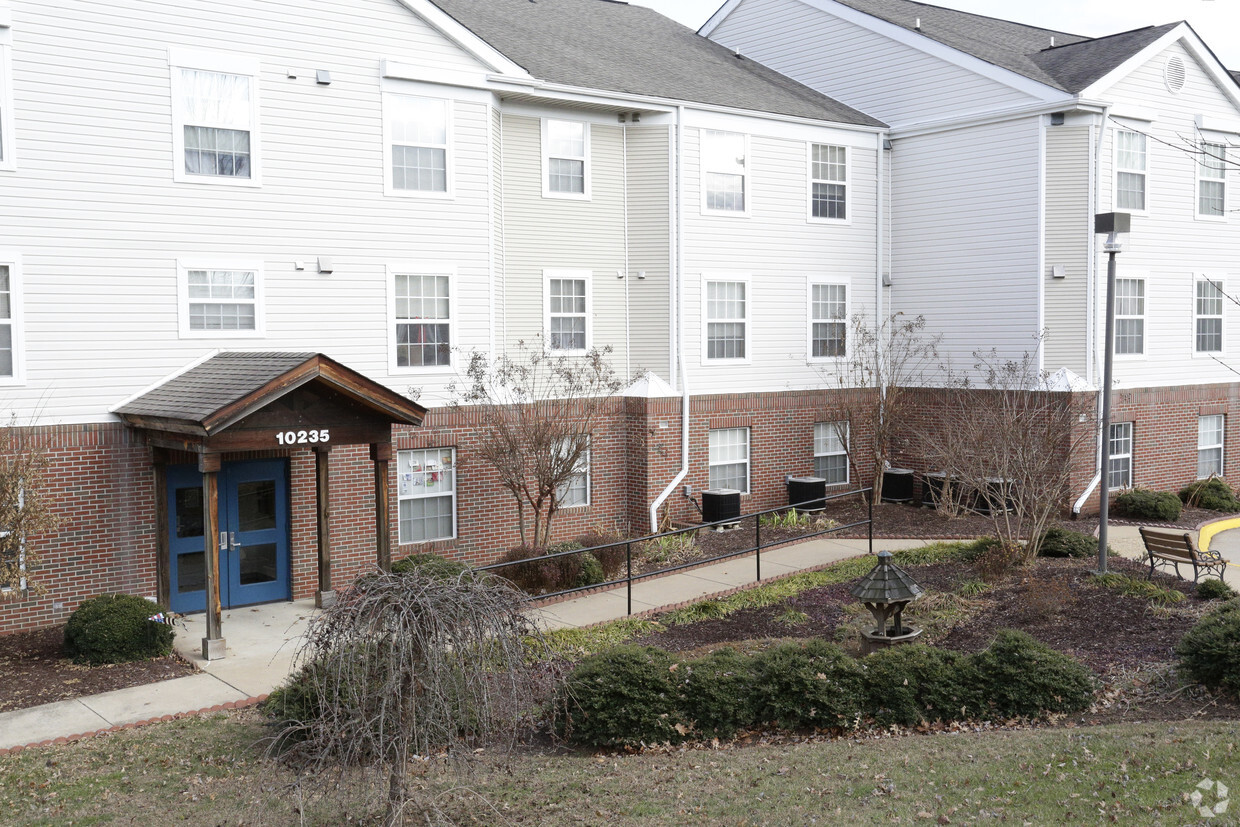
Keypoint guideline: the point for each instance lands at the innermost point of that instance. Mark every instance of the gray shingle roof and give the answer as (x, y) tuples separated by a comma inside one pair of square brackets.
[(1235, 74), (612, 46), (1078, 65), (886, 583)]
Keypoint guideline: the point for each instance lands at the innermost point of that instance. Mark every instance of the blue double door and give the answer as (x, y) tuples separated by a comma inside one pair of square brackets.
[(253, 537)]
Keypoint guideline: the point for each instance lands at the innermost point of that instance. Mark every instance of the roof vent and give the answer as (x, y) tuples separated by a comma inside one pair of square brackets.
[(1173, 74), (917, 24)]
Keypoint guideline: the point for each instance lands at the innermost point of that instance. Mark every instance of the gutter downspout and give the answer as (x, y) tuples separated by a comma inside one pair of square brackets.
[(880, 239), (679, 342), (624, 175), (1092, 320)]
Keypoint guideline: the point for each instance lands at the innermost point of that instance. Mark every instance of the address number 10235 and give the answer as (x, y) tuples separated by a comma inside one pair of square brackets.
[(303, 437)]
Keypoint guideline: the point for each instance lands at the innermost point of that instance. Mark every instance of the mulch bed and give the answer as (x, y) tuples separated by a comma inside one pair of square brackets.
[(33, 671)]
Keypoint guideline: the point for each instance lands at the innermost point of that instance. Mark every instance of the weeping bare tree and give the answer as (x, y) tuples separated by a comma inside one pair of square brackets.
[(535, 413), (405, 673), (25, 512)]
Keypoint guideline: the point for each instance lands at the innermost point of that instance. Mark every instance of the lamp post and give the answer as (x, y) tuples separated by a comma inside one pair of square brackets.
[(1112, 224)]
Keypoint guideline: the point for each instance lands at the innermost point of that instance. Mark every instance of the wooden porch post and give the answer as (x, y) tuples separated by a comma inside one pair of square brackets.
[(213, 644), (381, 453), (163, 562), (325, 596)]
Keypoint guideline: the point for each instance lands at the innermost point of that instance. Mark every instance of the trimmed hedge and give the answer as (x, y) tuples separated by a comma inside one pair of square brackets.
[(1213, 493), (1210, 652), (906, 685), (1019, 675), (116, 628), (814, 684), (1062, 542), (1215, 590), (622, 698), (1143, 504), (716, 693)]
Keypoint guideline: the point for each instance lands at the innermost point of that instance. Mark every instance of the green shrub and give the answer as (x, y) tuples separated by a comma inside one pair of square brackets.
[(612, 557), (1209, 652), (1143, 504), (544, 576), (1156, 593), (116, 628), (1215, 590), (591, 570), (1062, 542), (718, 696), (433, 565), (1018, 675), (815, 684), (1213, 493), (627, 696), (910, 684)]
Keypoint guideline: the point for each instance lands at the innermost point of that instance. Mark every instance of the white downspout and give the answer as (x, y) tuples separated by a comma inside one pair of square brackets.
[(880, 238), (679, 338), (1095, 196), (624, 174)]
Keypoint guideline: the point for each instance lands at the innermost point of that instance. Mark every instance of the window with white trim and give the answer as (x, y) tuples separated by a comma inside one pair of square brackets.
[(727, 320), (828, 198), (214, 117), (1130, 170), (728, 458), (831, 452), (220, 300), (1129, 317), (828, 304), (575, 491), (426, 494), (1119, 471), (417, 139), (423, 319), (7, 160), (8, 329), (568, 311), (566, 158), (1210, 445), (724, 172), (1212, 181), (1208, 316)]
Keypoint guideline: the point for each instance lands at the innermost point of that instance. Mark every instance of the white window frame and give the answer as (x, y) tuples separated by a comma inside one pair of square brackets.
[(1130, 438), (8, 143), (389, 187), (1202, 178), (811, 320), (842, 436), (1143, 316), (582, 472), (568, 275), (547, 192), (421, 268), (746, 320), (711, 462), (416, 492), (846, 183), (185, 265), (1219, 446), (224, 63), (23, 584), (746, 176), (1221, 284), (16, 321), (1144, 173)]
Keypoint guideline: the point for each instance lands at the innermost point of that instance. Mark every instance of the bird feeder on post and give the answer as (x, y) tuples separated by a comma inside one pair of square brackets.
[(886, 591)]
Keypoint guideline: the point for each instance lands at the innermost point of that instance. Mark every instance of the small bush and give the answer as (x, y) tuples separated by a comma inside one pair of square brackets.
[(995, 558), (624, 697), (116, 628), (1061, 542), (611, 556), (910, 684), (1209, 652), (433, 565), (815, 684), (1215, 590), (718, 695), (591, 570), (1156, 593), (1143, 504), (1018, 675), (1213, 493), (544, 576)]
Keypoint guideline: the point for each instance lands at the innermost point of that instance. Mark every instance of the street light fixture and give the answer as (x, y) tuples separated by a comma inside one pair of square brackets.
[(1113, 224)]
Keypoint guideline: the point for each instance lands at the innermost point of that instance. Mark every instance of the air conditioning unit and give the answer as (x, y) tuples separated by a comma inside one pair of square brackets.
[(721, 505), (807, 493), (898, 485)]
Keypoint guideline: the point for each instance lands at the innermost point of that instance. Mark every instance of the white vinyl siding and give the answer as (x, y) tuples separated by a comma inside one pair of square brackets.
[(1212, 181), (566, 159), (220, 299), (1208, 316), (11, 356), (828, 184), (727, 320), (426, 494), (1210, 436), (729, 459), (725, 172), (417, 145), (568, 311), (831, 452), (1129, 317), (1131, 168), (828, 327), (1119, 472), (8, 159), (422, 319), (215, 106)]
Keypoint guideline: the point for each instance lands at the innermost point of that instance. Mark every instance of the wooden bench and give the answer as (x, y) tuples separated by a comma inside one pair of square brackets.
[(1171, 548)]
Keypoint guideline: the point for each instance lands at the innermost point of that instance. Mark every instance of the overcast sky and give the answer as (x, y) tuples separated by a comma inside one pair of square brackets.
[(1216, 21)]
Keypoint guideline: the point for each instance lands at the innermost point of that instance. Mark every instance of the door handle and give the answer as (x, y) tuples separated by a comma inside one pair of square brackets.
[(232, 540)]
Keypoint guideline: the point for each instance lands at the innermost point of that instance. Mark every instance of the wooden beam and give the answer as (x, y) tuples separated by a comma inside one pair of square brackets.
[(209, 465), (325, 596), (381, 453)]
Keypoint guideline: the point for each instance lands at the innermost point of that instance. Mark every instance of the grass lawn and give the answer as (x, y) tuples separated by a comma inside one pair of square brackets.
[(208, 771)]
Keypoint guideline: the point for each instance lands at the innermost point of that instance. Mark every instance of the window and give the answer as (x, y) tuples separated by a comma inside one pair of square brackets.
[(1119, 471), (423, 319), (7, 159), (828, 304), (568, 311), (214, 117), (1209, 445), (426, 493), (566, 159), (1130, 169), (1208, 317), (831, 452), (576, 490), (1129, 317), (727, 320), (724, 172), (729, 459), (828, 197), (10, 307), (1212, 181), (417, 144)]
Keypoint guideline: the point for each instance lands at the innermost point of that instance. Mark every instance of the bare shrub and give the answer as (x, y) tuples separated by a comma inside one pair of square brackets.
[(25, 512)]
